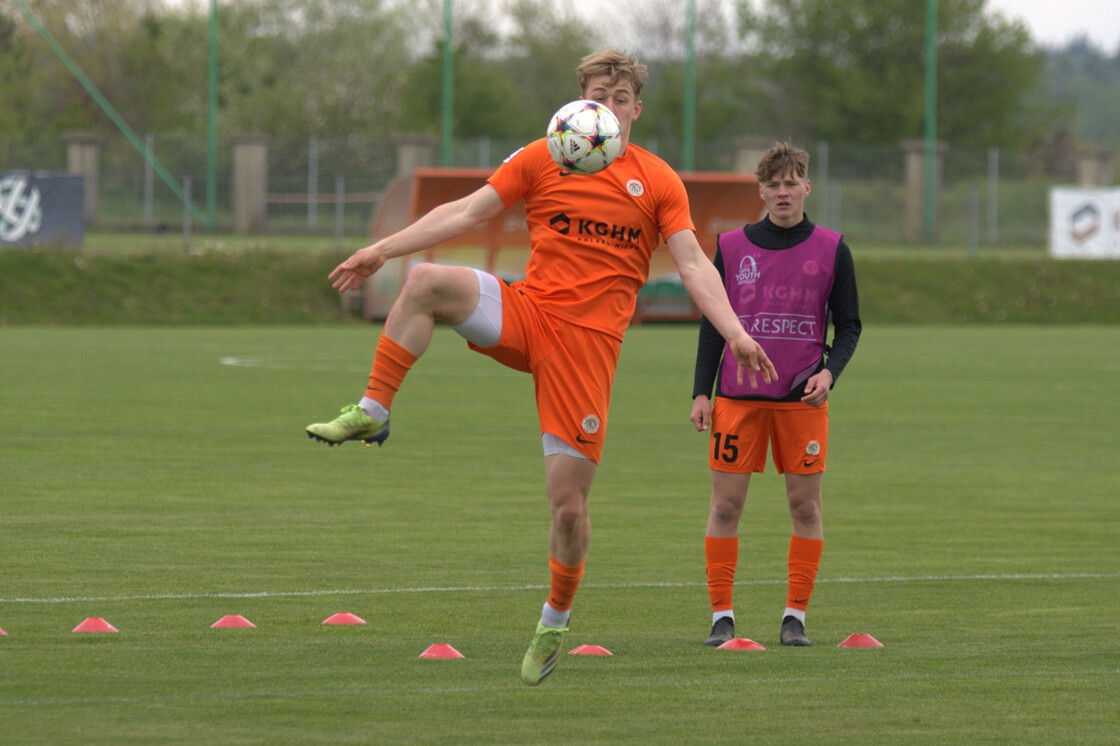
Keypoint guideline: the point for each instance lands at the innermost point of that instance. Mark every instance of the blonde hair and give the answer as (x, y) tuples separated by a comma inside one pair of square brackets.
[(616, 65), (782, 158)]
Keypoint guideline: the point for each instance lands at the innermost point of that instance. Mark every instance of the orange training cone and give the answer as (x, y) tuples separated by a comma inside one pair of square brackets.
[(231, 621), (860, 641), (740, 643), (590, 650), (344, 619), (441, 651), (95, 624)]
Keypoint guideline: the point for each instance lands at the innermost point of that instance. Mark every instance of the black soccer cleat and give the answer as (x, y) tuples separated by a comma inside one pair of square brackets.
[(793, 633), (722, 631)]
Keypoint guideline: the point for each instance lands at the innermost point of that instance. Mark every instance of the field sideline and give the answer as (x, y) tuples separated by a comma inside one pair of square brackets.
[(160, 479)]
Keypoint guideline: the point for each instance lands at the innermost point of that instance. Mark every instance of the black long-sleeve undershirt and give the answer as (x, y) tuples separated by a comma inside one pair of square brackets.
[(843, 310)]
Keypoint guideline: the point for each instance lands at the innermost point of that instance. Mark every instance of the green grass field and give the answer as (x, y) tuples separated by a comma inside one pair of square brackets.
[(160, 479)]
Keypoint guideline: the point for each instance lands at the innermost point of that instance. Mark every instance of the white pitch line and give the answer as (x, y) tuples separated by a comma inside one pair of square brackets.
[(535, 587)]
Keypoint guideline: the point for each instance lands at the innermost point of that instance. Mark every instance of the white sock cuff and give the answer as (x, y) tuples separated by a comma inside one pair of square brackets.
[(375, 409), (550, 617), (796, 613), (717, 615)]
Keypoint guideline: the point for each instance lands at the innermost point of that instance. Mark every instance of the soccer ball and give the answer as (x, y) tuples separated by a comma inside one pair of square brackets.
[(584, 137)]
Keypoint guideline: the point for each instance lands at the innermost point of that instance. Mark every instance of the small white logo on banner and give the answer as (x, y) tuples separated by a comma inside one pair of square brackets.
[(20, 212)]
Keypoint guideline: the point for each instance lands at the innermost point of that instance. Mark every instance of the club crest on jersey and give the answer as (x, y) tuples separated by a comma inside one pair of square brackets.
[(590, 424), (813, 448), (635, 188)]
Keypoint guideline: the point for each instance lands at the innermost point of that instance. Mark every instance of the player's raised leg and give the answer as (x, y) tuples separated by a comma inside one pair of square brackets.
[(431, 293)]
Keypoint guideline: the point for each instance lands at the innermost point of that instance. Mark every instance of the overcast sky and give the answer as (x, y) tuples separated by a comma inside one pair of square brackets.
[(1052, 22), (1055, 22)]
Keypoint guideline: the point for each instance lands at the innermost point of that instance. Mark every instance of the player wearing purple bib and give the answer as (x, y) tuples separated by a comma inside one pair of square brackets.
[(787, 279)]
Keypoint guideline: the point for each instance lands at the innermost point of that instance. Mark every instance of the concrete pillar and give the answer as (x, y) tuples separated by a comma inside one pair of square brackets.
[(250, 183), (83, 157), (748, 152), (915, 154), (413, 152), (1094, 167)]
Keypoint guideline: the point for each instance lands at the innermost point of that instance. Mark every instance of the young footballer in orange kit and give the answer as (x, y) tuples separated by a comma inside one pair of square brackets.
[(787, 280), (591, 238)]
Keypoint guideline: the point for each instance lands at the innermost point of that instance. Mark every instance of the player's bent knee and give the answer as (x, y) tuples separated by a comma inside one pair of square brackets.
[(426, 279), (450, 293)]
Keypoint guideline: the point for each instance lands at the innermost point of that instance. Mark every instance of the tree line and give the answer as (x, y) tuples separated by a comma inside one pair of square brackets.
[(809, 70)]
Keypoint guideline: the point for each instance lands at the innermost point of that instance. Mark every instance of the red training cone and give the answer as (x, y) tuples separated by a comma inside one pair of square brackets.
[(344, 619), (441, 651), (3, 633), (95, 624), (233, 620), (860, 641), (590, 650), (740, 643)]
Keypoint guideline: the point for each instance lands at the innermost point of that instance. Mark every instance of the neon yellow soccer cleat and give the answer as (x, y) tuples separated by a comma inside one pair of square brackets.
[(352, 424), (541, 656)]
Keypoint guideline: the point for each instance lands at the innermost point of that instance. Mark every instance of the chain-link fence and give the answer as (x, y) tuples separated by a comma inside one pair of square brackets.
[(334, 185)]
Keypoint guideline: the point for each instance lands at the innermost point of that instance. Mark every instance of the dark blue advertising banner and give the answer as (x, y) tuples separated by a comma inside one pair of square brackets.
[(39, 208)]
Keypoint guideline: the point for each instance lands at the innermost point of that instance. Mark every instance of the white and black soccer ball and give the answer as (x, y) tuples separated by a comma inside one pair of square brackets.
[(584, 137)]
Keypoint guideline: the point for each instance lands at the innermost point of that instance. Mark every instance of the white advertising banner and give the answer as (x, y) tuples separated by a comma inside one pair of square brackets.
[(1085, 223)]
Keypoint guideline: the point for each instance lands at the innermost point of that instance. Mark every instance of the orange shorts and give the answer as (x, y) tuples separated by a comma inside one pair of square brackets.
[(572, 367), (742, 429)]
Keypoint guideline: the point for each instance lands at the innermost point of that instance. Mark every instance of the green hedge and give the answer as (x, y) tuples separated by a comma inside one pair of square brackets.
[(261, 287)]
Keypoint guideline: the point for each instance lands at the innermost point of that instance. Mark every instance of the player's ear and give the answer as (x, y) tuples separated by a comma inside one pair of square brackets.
[(637, 110), (807, 185)]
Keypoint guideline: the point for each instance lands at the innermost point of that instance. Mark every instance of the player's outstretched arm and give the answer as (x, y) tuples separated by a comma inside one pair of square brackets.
[(701, 280), (751, 358), (447, 221)]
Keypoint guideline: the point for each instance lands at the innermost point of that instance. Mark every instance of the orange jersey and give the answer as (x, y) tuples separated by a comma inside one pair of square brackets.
[(591, 237)]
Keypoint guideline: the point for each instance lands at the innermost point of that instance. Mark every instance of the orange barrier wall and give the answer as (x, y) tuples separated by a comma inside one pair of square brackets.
[(434, 186), (719, 202)]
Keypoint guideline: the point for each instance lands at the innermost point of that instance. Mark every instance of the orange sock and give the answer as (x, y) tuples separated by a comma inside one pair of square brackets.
[(804, 561), (565, 582), (391, 364), (720, 556)]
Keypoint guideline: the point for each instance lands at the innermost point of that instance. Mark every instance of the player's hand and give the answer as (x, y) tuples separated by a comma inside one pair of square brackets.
[(753, 359), (354, 271), (701, 413), (816, 388)]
